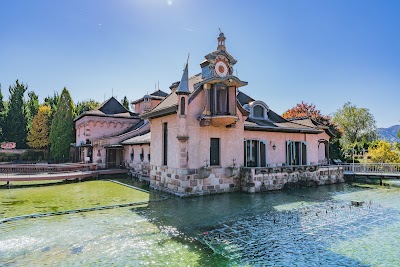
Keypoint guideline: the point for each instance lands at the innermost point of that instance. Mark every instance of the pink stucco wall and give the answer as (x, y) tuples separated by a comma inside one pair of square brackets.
[(198, 144), (278, 156), (156, 148), (139, 107), (137, 150), (94, 127)]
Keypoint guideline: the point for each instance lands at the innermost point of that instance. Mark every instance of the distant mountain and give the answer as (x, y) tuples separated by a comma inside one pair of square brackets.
[(389, 134)]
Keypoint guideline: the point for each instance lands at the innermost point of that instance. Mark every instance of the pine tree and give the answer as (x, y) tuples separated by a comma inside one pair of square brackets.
[(62, 132), (125, 102), (52, 102), (86, 105), (2, 111), (39, 134), (32, 107), (15, 123)]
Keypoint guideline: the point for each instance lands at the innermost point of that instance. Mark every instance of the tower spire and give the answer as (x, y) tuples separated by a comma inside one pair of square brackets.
[(183, 87)]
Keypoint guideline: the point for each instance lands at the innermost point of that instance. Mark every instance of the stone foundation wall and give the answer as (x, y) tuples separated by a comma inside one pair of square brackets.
[(188, 182), (139, 168), (256, 180)]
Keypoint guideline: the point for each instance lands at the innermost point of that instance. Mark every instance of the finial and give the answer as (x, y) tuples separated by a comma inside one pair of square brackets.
[(221, 40)]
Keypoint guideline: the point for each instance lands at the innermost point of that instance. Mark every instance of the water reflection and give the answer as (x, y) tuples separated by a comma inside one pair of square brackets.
[(301, 227)]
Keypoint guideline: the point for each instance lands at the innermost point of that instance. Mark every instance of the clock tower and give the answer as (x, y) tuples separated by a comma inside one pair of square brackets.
[(219, 63), (220, 86)]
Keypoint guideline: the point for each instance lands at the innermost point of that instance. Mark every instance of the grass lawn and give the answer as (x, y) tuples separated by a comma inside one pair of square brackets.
[(22, 201)]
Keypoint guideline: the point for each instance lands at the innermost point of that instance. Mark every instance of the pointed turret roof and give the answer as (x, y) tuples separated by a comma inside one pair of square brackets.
[(183, 87)]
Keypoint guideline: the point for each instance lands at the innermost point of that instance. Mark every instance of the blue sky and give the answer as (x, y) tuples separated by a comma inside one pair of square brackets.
[(321, 52)]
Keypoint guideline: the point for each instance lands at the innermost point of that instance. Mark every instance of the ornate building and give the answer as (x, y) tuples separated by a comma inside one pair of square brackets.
[(207, 136)]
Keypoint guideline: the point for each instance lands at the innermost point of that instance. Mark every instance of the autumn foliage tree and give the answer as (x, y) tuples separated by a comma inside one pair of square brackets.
[(305, 110), (39, 133)]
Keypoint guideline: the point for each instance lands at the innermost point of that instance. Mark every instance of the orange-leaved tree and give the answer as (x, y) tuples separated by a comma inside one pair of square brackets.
[(305, 110)]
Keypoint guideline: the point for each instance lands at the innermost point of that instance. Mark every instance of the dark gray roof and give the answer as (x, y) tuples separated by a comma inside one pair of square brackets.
[(109, 108), (275, 117), (135, 126), (137, 140), (243, 98), (183, 87), (159, 93), (170, 104), (112, 107), (265, 125)]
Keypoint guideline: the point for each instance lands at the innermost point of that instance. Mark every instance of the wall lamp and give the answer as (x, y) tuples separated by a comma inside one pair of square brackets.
[(273, 145)]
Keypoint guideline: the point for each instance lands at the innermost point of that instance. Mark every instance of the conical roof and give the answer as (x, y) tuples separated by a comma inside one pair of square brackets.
[(183, 87)]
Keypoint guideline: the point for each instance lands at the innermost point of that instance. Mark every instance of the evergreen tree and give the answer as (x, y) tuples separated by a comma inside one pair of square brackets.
[(1, 101), (32, 107), (52, 102), (86, 105), (62, 132), (125, 102), (15, 123), (39, 134), (2, 111)]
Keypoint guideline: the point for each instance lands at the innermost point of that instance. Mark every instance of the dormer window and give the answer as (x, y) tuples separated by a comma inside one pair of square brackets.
[(258, 112)]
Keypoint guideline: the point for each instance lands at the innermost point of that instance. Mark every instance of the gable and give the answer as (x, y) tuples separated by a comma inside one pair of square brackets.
[(112, 106)]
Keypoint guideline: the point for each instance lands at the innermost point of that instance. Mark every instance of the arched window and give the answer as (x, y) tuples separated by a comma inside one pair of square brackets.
[(258, 111), (182, 106)]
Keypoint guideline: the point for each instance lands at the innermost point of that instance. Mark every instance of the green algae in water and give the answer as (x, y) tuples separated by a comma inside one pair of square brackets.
[(163, 233), (118, 237), (16, 202)]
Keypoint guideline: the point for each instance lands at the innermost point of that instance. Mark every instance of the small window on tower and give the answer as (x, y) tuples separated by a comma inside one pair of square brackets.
[(182, 106)]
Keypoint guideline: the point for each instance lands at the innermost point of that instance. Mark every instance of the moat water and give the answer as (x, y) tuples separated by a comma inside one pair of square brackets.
[(301, 227)]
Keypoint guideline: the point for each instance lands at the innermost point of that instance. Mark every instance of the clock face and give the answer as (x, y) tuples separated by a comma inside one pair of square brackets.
[(221, 69), (221, 66)]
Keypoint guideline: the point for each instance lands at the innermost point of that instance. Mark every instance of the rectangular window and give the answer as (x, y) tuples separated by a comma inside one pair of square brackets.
[(214, 152), (165, 144), (296, 153), (255, 153), (219, 96)]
